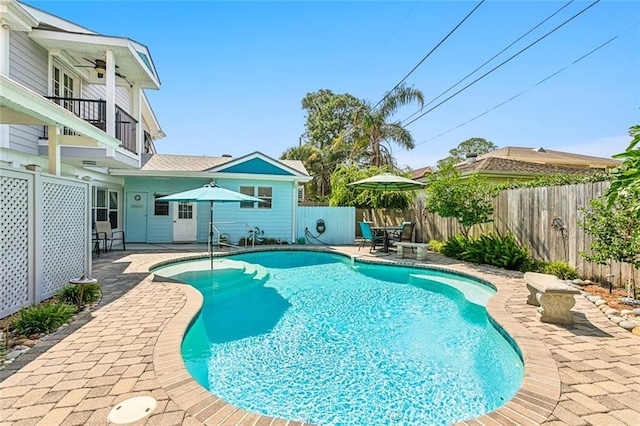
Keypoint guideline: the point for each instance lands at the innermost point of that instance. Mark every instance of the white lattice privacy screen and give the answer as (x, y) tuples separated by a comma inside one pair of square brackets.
[(14, 210), (64, 213)]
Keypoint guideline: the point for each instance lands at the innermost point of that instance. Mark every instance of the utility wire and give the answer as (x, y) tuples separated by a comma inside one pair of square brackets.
[(428, 54), (550, 76), (531, 87), (391, 35), (501, 64), (492, 58)]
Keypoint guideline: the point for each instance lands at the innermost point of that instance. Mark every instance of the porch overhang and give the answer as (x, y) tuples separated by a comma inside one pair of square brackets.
[(206, 175), (20, 105), (132, 59)]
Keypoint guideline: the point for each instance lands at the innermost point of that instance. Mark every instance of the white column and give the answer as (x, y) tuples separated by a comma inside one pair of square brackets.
[(4, 70), (136, 109), (110, 83), (4, 51), (54, 151)]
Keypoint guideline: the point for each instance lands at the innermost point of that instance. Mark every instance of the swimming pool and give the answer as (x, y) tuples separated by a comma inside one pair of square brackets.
[(312, 337)]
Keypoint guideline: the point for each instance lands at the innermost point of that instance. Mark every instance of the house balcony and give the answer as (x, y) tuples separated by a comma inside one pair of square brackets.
[(95, 112)]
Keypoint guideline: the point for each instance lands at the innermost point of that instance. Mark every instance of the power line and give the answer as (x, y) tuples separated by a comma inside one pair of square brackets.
[(391, 34), (501, 64), (529, 88), (428, 54), (491, 59)]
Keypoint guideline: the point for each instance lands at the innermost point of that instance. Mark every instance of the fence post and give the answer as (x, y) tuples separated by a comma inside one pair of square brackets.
[(36, 239)]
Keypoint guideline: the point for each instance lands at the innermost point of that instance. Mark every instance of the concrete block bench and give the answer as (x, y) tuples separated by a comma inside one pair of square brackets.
[(554, 297), (421, 247)]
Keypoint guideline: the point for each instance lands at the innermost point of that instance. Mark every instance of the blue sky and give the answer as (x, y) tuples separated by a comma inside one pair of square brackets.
[(234, 73)]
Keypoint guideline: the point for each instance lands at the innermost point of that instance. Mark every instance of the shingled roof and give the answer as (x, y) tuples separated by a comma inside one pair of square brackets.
[(548, 156), (193, 163), (494, 164)]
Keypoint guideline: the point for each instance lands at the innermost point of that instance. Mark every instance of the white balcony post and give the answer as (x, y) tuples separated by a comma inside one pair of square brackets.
[(110, 83), (54, 151), (136, 97)]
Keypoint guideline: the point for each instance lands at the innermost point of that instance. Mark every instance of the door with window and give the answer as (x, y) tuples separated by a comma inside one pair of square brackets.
[(184, 222)]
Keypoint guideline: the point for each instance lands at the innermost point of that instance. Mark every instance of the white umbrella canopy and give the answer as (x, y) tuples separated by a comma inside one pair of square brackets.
[(387, 182), (213, 194)]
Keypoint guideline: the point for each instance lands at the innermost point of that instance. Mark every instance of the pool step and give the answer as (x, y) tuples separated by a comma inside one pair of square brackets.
[(474, 293)]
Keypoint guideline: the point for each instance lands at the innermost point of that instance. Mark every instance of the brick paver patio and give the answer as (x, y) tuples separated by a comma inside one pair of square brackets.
[(585, 374)]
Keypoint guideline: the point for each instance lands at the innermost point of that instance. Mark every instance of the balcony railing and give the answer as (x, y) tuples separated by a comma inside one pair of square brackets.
[(95, 112)]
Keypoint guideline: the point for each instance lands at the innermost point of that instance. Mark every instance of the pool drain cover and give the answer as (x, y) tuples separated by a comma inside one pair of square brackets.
[(132, 409)]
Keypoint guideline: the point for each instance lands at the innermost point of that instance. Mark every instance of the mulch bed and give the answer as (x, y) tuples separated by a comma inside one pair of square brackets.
[(613, 298)]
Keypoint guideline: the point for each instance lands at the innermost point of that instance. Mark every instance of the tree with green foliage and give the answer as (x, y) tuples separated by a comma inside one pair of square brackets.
[(626, 177), (469, 200), (344, 195), (372, 126), (321, 148), (614, 230), (470, 146)]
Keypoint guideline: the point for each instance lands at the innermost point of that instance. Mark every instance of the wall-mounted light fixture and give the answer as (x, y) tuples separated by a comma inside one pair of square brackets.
[(558, 224), (5, 24)]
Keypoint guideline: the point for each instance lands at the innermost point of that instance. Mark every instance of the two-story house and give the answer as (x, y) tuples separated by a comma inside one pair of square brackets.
[(72, 106)]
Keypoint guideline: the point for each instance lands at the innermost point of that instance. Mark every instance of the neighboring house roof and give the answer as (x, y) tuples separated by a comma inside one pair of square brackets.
[(192, 165), (548, 156), (504, 165), (418, 174)]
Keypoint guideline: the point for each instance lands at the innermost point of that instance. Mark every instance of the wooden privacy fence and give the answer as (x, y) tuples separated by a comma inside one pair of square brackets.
[(528, 214)]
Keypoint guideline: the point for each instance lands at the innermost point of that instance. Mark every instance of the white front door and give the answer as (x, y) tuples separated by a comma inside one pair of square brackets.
[(184, 222)]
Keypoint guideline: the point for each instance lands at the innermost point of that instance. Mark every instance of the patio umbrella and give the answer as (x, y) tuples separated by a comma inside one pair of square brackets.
[(387, 182), (213, 194)]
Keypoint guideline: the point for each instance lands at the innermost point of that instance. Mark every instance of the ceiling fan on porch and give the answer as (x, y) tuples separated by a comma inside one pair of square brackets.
[(100, 65)]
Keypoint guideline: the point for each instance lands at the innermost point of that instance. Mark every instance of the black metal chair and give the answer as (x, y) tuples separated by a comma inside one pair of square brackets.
[(108, 235)]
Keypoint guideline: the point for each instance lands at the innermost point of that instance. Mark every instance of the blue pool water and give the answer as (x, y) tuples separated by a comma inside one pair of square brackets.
[(313, 338)]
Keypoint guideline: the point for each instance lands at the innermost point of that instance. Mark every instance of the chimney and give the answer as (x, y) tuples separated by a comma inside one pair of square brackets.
[(472, 157)]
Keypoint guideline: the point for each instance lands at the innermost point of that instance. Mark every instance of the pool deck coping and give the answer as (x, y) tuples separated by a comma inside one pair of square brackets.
[(539, 399)]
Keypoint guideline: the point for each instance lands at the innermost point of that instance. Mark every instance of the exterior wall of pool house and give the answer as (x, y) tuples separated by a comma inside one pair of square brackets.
[(144, 223)]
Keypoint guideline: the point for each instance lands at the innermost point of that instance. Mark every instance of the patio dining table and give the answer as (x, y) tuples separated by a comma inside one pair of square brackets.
[(394, 230)]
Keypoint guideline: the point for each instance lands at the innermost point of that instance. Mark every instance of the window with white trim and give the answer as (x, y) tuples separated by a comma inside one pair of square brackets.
[(265, 193), (105, 206)]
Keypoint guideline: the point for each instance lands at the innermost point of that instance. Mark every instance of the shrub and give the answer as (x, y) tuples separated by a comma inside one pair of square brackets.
[(488, 249), (533, 265), (42, 318), (561, 269), (455, 246), (71, 293), (436, 245)]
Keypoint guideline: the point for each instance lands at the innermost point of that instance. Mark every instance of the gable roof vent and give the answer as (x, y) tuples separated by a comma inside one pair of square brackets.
[(541, 149)]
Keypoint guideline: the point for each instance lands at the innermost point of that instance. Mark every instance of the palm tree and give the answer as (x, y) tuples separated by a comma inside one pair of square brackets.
[(371, 126)]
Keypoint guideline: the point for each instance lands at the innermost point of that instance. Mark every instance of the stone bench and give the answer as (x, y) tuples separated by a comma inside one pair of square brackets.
[(554, 298), (421, 247)]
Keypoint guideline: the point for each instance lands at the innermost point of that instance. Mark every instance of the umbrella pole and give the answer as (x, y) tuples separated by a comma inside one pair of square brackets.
[(211, 234)]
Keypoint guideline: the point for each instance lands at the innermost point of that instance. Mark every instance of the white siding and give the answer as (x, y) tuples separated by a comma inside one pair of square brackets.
[(27, 66), (340, 224), (97, 92)]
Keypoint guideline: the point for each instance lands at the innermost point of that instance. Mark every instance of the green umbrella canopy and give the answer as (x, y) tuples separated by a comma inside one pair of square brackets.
[(387, 182)]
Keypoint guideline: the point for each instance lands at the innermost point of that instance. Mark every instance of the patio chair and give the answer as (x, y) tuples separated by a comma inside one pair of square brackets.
[(368, 235), (405, 233), (106, 234)]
